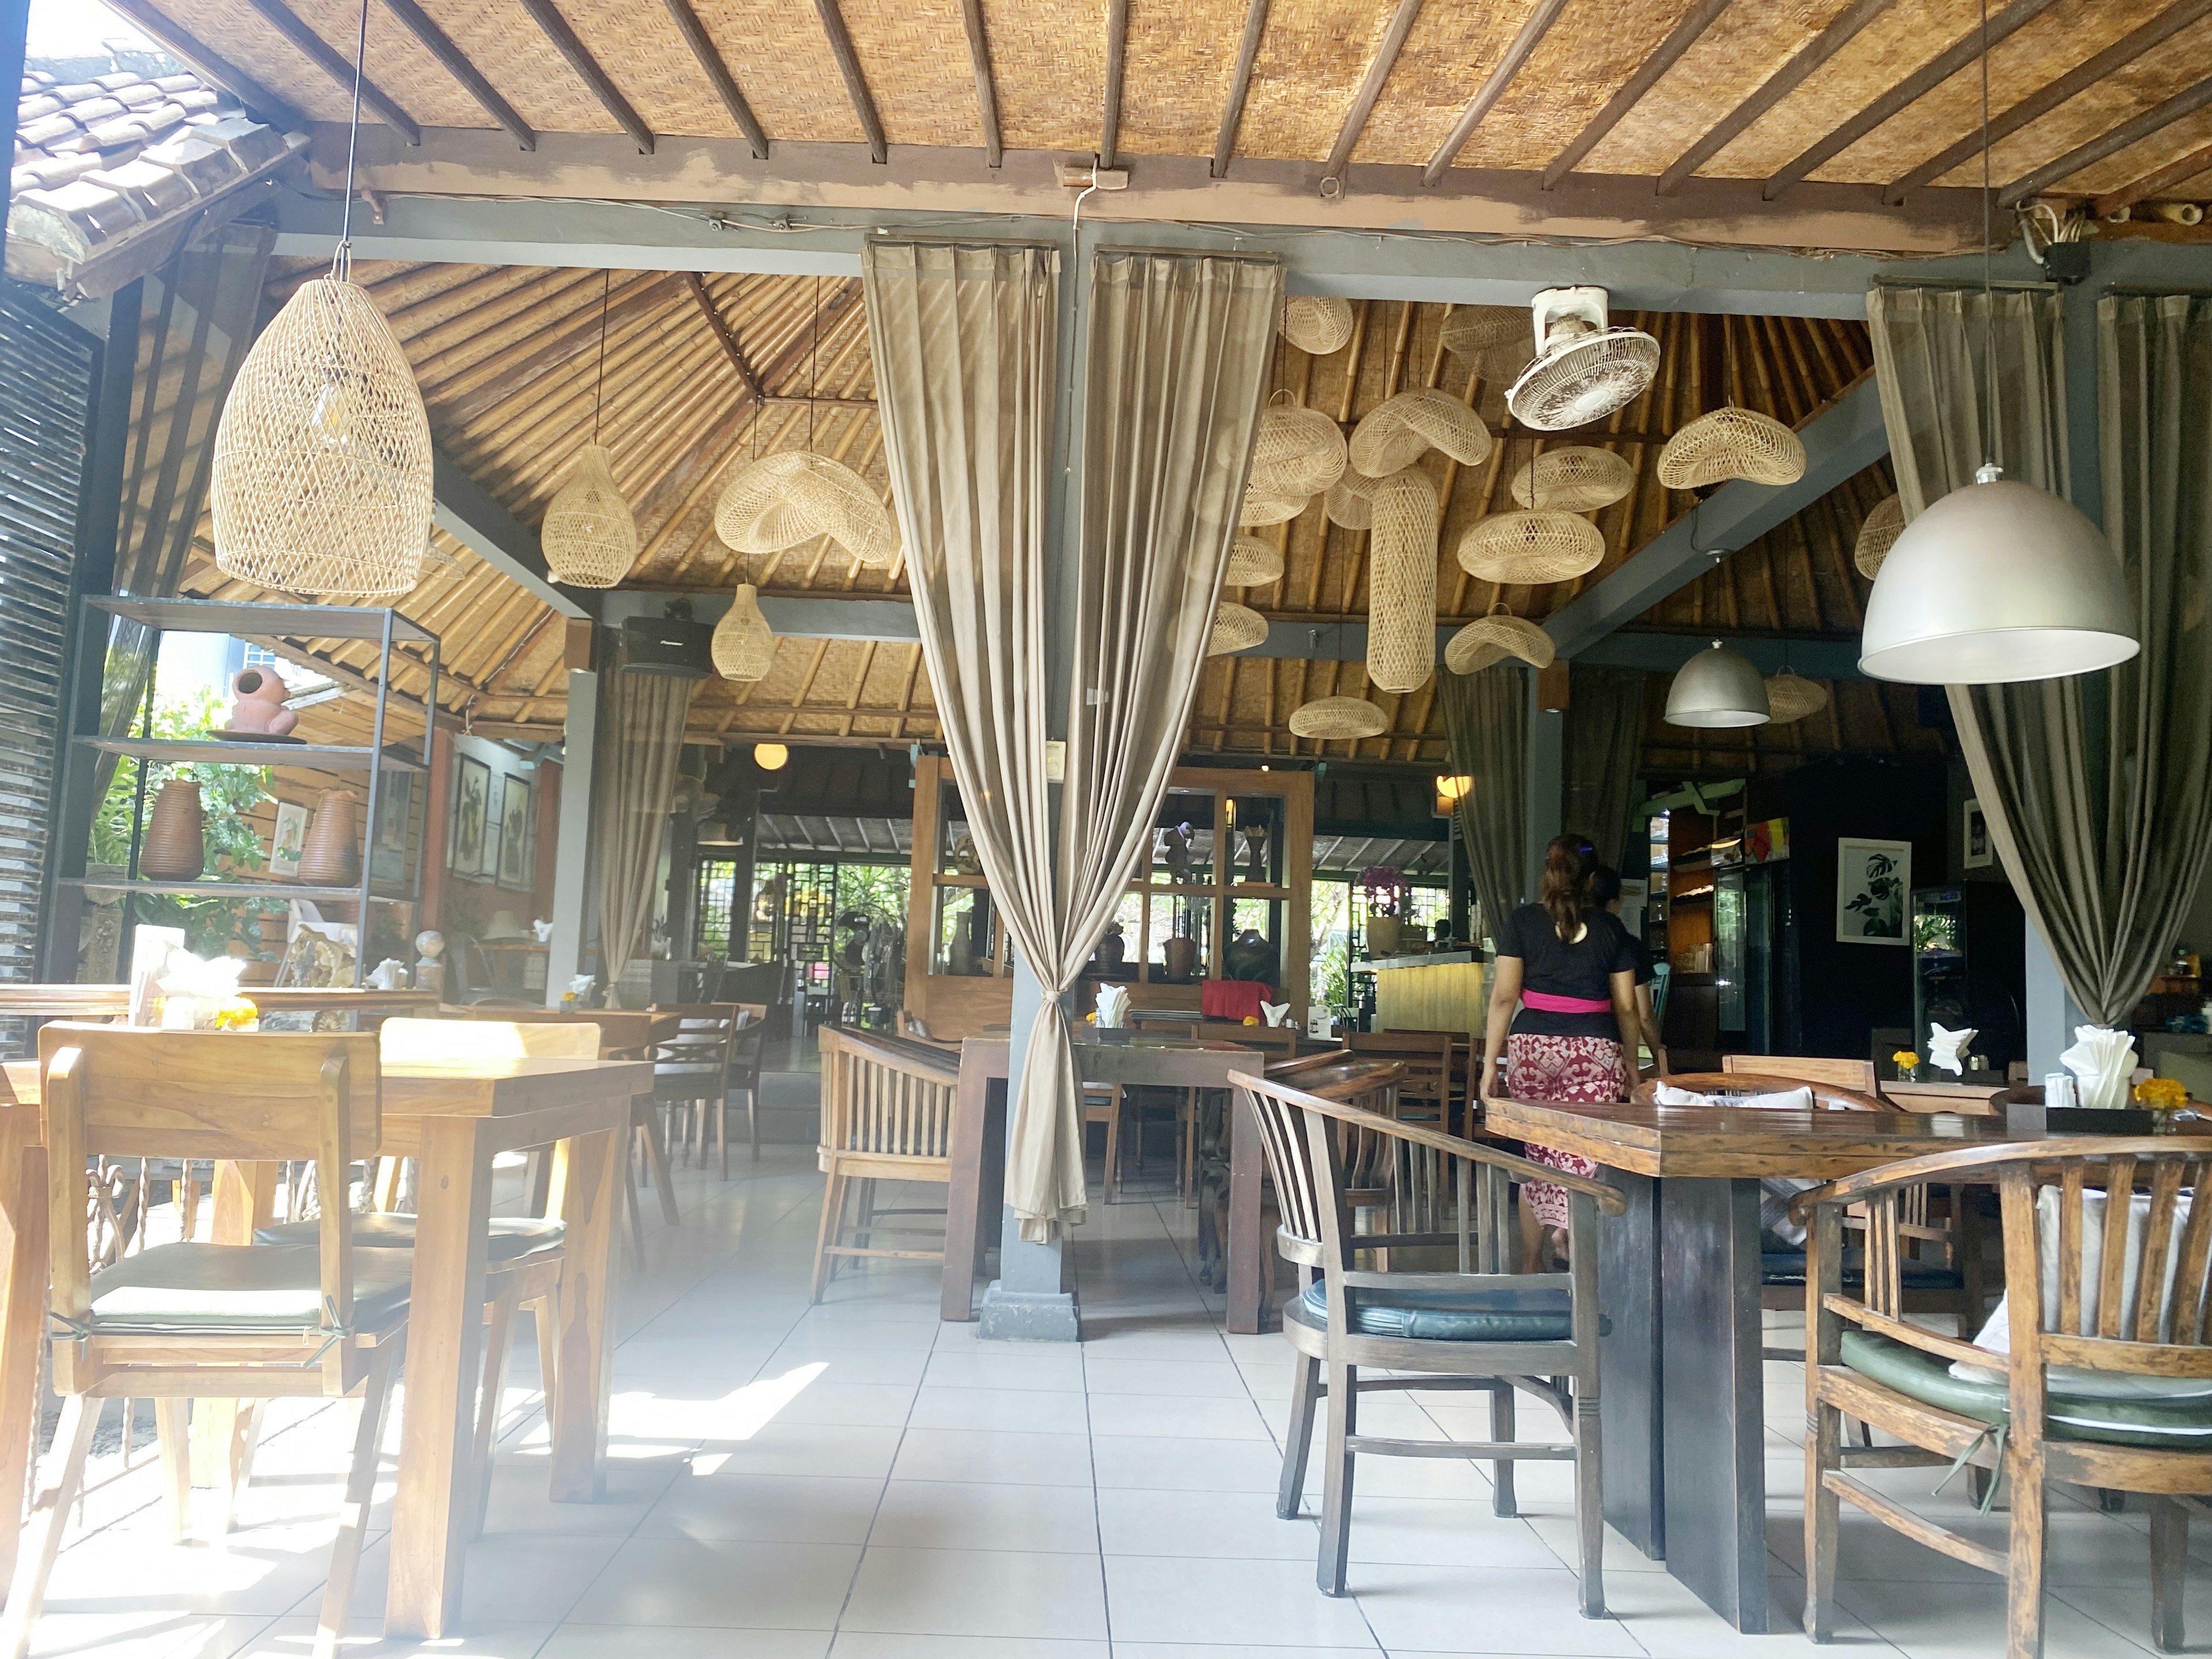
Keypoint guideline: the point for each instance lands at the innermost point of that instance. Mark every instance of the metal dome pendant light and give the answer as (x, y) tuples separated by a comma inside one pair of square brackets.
[(589, 538), (1998, 582), (1719, 689), (321, 480)]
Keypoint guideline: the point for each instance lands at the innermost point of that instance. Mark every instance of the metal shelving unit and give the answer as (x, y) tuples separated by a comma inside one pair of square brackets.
[(385, 627)]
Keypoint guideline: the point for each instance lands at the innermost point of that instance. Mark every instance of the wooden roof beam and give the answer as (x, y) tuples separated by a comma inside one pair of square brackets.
[(441, 46), (319, 53), (723, 337), (2122, 51), (548, 17), (211, 65), (2155, 183), (1915, 86), (718, 73), (856, 83), (986, 90), (1240, 87), (1493, 87), (1680, 39), (2154, 120), (465, 510), (1777, 86), (1117, 60), (1371, 88)]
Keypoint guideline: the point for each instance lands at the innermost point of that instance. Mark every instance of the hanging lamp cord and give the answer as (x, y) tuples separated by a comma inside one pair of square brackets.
[(599, 390), (342, 260), (1988, 295)]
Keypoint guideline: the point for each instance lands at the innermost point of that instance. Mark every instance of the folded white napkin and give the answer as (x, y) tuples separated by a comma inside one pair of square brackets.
[(1112, 1008), (2103, 1061), (1275, 1013), (1948, 1049)]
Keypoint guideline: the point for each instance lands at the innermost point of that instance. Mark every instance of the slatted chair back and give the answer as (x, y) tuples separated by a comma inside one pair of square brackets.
[(886, 1099), (428, 1042), (1853, 1075), (1427, 1093)]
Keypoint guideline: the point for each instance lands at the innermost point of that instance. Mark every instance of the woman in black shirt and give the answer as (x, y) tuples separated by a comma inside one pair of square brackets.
[(1569, 969)]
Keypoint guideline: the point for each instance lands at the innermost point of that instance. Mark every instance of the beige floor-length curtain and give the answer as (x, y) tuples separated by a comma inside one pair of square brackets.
[(2095, 787), (1177, 356), (640, 742), (1603, 749), (1486, 726)]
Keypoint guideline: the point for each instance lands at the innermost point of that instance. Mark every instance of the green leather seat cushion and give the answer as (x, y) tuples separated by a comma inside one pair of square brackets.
[(1538, 1314), (218, 1288), (2182, 1424), (1788, 1267), (513, 1237)]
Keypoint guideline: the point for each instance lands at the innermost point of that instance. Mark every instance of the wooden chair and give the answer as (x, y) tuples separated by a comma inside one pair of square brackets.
[(1857, 1075), (747, 1036), (180, 1320), (1425, 1095), (1272, 1041), (887, 1114), (2112, 1386), (691, 1069), (1102, 1103), (648, 1136), (1475, 1329)]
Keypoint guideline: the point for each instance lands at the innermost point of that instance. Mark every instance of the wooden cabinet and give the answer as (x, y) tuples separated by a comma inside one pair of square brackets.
[(1222, 892)]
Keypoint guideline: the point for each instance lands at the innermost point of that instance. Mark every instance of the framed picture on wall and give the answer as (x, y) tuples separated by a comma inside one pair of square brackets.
[(1980, 851), (472, 813), (291, 835), (514, 827), (1873, 881)]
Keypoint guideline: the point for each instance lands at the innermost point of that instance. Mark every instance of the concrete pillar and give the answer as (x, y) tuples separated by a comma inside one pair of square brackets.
[(1033, 1297), (572, 864), (2053, 1014), (1546, 795)]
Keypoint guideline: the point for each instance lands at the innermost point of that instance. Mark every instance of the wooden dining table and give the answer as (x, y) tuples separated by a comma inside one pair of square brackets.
[(1682, 1386), (454, 1117)]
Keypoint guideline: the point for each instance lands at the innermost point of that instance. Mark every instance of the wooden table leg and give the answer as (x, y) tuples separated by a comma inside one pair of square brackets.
[(1628, 1367), (1245, 1315), (965, 1225), (436, 1500), (23, 1214), (590, 1176)]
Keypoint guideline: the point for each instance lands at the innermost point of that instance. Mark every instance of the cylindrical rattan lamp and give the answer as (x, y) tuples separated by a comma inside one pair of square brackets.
[(1882, 527), (1789, 696), (1236, 628), (1318, 324), (1327, 720), (743, 645), (1530, 549), (1578, 479), (1732, 443), (786, 498), (1492, 639), (1252, 563), (1299, 452), (1400, 430), (589, 539), (1402, 583), (321, 479)]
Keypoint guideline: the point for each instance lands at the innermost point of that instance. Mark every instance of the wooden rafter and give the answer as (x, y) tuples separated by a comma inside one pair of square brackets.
[(856, 83), (1240, 87), (1370, 87), (212, 66), (1117, 58), (1493, 87), (987, 90), (548, 17), (440, 46), (1680, 39), (1915, 86), (318, 51), (1819, 49), (718, 73), (2083, 76), (723, 337), (2155, 183), (2155, 119)]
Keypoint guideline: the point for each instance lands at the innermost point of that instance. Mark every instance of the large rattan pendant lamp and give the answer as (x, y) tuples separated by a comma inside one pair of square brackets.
[(589, 538), (1998, 582), (321, 480)]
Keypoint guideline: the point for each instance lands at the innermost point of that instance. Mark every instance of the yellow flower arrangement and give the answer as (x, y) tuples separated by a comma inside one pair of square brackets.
[(2162, 1094), (1251, 1019), (1904, 1057)]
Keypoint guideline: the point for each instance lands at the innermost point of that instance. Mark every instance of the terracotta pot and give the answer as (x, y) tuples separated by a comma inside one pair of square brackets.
[(331, 857), (1179, 957), (174, 849)]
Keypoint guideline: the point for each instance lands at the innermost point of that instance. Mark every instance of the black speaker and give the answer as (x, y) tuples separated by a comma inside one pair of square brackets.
[(674, 645)]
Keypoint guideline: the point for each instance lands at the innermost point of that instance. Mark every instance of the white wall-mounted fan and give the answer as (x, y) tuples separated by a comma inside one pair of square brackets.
[(1584, 368)]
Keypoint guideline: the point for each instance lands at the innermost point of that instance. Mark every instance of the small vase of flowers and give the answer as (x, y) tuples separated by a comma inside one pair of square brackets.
[(2162, 1097), (1908, 1066)]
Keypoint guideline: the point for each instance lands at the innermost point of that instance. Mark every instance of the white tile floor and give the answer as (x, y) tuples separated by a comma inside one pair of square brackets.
[(859, 1481)]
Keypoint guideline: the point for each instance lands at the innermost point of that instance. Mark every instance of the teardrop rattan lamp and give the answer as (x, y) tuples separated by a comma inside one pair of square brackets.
[(1790, 697), (321, 480), (589, 538), (743, 646), (1877, 535), (1719, 689)]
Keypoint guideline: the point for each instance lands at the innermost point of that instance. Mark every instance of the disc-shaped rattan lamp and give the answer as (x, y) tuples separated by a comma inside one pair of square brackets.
[(1351, 499), (1252, 563), (786, 498), (1318, 324), (1402, 583), (1236, 628), (1732, 443), (1578, 479), (743, 645), (1338, 718), (1883, 526), (589, 538), (1299, 452), (1262, 508), (1529, 548), (1400, 430), (1790, 697), (1485, 337), (1493, 638)]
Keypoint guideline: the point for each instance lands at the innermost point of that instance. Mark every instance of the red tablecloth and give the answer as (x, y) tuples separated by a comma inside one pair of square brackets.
[(1236, 1000)]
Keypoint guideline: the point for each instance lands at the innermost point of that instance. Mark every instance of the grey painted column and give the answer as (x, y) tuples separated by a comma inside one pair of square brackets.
[(1546, 785), (1033, 1297), (2053, 1014), (573, 859)]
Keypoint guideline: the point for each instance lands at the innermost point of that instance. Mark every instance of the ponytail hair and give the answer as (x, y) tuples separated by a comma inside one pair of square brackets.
[(1569, 862)]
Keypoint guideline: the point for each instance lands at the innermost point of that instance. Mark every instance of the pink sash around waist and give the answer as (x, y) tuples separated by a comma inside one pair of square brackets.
[(1545, 1002)]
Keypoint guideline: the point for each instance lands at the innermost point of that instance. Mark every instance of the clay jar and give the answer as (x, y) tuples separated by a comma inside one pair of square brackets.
[(331, 857), (260, 705), (1179, 957), (174, 848)]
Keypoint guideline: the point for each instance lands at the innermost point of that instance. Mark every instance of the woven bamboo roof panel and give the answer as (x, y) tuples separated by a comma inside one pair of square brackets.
[(781, 60), (1049, 67), (916, 61), (1312, 59), (1187, 51)]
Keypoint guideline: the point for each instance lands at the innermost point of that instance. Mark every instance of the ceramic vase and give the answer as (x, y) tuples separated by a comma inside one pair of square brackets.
[(331, 857), (174, 848), (1179, 956)]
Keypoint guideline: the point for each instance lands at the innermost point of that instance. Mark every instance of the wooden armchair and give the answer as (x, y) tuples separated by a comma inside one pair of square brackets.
[(887, 1114), (2108, 1384), (1851, 1075), (210, 1320), (1475, 1329)]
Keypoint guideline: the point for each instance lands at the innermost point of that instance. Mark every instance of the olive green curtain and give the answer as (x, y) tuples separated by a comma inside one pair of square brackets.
[(1604, 746), (641, 741), (1486, 726)]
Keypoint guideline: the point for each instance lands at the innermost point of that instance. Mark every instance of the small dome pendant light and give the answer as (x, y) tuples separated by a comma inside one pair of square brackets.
[(1718, 688)]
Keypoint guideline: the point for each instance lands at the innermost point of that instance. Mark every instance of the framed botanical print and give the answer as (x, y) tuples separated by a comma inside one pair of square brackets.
[(1980, 851), (1874, 880), (471, 814), (514, 836)]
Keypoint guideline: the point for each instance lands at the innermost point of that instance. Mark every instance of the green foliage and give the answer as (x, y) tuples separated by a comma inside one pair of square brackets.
[(879, 889)]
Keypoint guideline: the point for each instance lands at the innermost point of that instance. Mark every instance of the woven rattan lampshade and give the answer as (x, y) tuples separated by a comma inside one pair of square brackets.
[(1530, 548), (1261, 508), (1789, 696), (1402, 583), (1338, 718), (786, 498), (1732, 443), (1486, 336), (1883, 526), (1317, 324), (1236, 628), (1252, 563), (1492, 639), (589, 538), (322, 461), (1299, 452), (1351, 499), (1580, 479), (743, 645), (1400, 430)]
